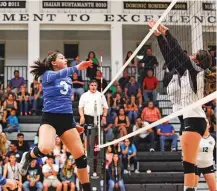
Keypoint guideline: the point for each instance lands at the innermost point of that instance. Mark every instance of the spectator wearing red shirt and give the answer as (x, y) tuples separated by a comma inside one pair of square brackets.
[(150, 85)]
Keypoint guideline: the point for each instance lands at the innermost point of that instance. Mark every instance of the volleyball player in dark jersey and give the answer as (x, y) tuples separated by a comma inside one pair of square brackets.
[(192, 89)]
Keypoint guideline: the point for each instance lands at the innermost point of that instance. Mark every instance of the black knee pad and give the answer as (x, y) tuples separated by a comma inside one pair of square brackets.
[(81, 162), (38, 153), (188, 167), (196, 171)]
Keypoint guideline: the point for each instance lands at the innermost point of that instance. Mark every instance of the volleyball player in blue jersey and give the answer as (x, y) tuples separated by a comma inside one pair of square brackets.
[(57, 117)]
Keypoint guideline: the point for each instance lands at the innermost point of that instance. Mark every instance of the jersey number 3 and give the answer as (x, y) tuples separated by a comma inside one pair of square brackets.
[(65, 88), (205, 149)]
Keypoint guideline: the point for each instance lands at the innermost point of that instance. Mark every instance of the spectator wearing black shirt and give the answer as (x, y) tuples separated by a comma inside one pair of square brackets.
[(78, 85), (98, 79), (149, 62), (15, 151), (91, 71), (21, 145), (124, 80), (34, 174)]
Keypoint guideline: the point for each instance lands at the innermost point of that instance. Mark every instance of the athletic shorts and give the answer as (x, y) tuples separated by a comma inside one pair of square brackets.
[(61, 122), (195, 124), (51, 182), (206, 170), (182, 128)]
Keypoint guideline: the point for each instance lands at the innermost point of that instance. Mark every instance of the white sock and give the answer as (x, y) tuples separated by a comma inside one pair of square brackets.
[(195, 188)]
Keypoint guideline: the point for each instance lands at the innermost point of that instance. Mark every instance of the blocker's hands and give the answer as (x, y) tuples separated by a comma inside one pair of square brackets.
[(84, 65), (80, 129)]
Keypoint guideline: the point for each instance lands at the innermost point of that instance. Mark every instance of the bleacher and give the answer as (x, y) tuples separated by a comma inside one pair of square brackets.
[(166, 167)]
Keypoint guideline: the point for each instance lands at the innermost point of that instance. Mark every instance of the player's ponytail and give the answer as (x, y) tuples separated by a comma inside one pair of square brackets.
[(40, 67)]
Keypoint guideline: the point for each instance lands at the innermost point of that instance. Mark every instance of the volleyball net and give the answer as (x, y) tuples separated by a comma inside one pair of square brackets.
[(192, 23)]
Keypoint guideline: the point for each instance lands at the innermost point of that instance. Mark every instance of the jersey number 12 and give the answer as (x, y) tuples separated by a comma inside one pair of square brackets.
[(65, 88), (205, 149)]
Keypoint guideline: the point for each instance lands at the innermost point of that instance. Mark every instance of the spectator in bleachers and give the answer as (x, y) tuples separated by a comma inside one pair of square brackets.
[(58, 153), (9, 103), (67, 176), (98, 79), (122, 122), (213, 55), (4, 146), (91, 71), (129, 155), (120, 91), (23, 97), (12, 122), (108, 128), (149, 62), (113, 87), (13, 150), (118, 102), (11, 171), (116, 172), (36, 94), (78, 85), (132, 109), (1, 113), (16, 82), (109, 156), (6, 93), (33, 177), (150, 85), (131, 68), (166, 132), (132, 88), (50, 171), (124, 80), (76, 61), (117, 149), (4, 142), (21, 145), (1, 165), (151, 113), (145, 136)]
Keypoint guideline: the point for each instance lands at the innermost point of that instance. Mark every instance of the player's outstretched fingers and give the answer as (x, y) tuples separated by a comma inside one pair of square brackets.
[(84, 65)]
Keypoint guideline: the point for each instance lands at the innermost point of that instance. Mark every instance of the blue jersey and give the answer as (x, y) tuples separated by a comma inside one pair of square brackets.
[(57, 90)]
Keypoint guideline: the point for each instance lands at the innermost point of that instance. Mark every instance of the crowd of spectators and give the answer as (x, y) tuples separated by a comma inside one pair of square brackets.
[(132, 105)]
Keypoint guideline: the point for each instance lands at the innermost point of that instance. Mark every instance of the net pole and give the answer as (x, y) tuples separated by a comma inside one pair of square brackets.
[(198, 103), (101, 89), (141, 44)]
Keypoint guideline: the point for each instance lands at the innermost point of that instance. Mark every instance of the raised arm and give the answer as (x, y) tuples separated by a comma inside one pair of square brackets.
[(50, 75), (167, 53)]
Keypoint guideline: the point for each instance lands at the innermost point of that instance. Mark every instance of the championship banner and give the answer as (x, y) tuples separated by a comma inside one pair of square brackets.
[(209, 6), (75, 4), (12, 4), (153, 5)]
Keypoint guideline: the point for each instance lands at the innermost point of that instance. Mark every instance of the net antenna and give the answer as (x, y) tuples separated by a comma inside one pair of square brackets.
[(141, 44)]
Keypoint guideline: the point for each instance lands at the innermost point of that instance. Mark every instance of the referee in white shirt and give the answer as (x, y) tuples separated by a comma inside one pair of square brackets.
[(89, 101), (91, 104)]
